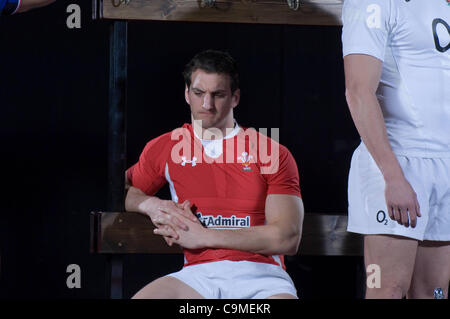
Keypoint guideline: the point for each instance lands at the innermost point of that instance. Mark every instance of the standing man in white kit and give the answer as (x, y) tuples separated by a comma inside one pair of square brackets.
[(397, 70)]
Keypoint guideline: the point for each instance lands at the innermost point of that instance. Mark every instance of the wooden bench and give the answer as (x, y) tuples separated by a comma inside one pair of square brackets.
[(117, 233), (128, 233)]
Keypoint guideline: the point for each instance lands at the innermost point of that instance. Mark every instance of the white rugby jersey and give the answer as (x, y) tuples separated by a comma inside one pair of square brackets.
[(412, 38)]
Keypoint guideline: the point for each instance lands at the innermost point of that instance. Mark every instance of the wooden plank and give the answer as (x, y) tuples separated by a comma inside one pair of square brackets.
[(326, 235), (310, 12), (124, 233)]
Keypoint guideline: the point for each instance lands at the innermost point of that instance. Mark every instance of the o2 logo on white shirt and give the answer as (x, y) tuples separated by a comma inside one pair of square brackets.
[(374, 19)]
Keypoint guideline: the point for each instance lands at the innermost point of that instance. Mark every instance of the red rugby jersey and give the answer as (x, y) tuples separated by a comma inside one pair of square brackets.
[(228, 191)]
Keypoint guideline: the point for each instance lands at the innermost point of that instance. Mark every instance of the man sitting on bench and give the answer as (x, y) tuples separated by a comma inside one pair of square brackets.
[(235, 210)]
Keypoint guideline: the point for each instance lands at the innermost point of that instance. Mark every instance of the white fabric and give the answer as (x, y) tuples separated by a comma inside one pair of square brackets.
[(214, 148), (412, 39), (367, 211), (173, 192), (236, 280)]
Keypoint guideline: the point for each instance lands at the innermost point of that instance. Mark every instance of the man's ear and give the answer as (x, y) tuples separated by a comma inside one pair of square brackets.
[(186, 94), (236, 97)]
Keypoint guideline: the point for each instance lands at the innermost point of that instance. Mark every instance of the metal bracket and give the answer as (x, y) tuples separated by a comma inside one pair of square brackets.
[(120, 2), (223, 6), (293, 4), (207, 3)]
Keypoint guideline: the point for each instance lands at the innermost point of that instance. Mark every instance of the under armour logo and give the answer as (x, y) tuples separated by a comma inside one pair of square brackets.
[(184, 161), (437, 41)]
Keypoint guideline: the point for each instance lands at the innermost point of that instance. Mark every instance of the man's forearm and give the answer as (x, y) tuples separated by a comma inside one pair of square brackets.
[(266, 239), (280, 235), (138, 201), (368, 119)]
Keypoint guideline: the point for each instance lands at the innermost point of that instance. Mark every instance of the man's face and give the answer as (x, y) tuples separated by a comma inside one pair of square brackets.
[(211, 100)]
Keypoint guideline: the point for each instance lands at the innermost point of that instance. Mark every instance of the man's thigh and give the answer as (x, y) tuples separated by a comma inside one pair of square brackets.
[(395, 257), (432, 269), (167, 288)]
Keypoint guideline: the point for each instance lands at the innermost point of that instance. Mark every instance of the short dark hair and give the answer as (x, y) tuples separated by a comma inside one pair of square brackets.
[(213, 61)]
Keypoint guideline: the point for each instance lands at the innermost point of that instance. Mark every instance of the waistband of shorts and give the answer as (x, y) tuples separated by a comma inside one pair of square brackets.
[(414, 153), (237, 260), (234, 262)]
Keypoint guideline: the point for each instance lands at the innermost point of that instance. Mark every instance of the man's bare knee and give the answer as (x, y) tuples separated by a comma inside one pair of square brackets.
[(432, 270), (388, 292)]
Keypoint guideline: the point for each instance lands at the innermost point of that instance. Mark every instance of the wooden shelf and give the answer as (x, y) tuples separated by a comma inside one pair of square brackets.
[(310, 12)]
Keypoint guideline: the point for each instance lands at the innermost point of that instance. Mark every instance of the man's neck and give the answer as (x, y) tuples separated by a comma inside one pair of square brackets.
[(213, 133)]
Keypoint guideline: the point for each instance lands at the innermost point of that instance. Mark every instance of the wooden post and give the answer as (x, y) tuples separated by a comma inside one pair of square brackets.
[(117, 137)]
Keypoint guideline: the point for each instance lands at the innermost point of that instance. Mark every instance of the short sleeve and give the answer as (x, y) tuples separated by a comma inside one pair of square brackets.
[(366, 27), (148, 174), (285, 180), (9, 7)]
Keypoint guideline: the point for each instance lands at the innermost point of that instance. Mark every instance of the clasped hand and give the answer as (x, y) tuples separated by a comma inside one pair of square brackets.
[(177, 224)]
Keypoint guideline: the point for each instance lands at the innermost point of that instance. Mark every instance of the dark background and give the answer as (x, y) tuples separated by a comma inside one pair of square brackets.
[(53, 122)]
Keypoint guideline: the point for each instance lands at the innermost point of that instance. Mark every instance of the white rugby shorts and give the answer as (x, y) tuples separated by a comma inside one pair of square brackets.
[(227, 279), (430, 179)]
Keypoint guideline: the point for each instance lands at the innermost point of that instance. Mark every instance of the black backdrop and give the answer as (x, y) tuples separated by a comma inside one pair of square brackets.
[(53, 122)]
